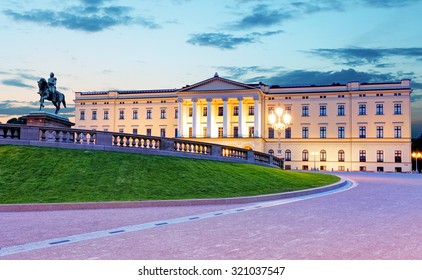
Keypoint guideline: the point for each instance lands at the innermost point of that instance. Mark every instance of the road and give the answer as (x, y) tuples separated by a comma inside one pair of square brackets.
[(379, 218)]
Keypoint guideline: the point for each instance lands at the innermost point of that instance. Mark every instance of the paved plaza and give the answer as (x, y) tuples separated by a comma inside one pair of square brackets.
[(379, 217)]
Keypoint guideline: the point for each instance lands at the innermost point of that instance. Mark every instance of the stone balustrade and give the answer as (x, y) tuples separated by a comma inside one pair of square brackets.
[(91, 139), (135, 141), (9, 131)]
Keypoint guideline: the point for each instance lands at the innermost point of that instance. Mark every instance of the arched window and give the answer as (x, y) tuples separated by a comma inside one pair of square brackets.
[(271, 151), (323, 155), (341, 155), (305, 155), (287, 155)]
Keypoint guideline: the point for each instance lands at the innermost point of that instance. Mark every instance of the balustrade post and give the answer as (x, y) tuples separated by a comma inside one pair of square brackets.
[(271, 160), (250, 156), (167, 144), (30, 133), (104, 138), (216, 150)]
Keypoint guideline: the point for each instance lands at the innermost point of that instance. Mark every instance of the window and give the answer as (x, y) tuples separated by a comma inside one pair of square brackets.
[(236, 131), (305, 132), (305, 111), (135, 131), (322, 110), (323, 155), (341, 133), (251, 110), (380, 132), (379, 109), (149, 113), (94, 115), (176, 132), (397, 132), (121, 115), (340, 110), (397, 156), (135, 114), (288, 133), (362, 155), (220, 111), (190, 111), (380, 156), (235, 110), (149, 132), (362, 131), (288, 110), (341, 156), (288, 155), (163, 132), (397, 109), (204, 111), (270, 132), (251, 131), (163, 114), (121, 130), (322, 132), (220, 132), (176, 113), (82, 116), (362, 109), (305, 155), (106, 115), (190, 132)]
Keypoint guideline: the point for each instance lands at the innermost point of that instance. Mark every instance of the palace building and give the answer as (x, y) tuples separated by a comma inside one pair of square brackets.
[(339, 127)]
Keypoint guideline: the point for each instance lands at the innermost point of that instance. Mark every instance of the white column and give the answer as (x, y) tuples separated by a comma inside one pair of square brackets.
[(257, 117), (225, 117), (240, 116), (180, 117), (194, 117), (209, 117)]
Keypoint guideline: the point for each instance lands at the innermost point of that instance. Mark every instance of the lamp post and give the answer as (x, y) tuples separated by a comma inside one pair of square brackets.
[(279, 122), (416, 156), (314, 154)]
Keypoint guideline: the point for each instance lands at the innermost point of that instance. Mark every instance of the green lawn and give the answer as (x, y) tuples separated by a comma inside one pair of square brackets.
[(44, 175)]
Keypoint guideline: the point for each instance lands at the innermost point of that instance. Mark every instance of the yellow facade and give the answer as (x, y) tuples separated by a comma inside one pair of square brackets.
[(347, 127)]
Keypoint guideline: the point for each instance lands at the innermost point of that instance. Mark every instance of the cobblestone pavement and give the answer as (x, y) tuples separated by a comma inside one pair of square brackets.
[(381, 218)]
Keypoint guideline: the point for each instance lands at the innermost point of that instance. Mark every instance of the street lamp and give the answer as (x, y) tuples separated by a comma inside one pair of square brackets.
[(416, 156), (279, 122), (314, 154)]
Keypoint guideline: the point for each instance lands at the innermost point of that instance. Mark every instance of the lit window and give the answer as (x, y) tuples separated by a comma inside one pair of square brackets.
[(341, 133), (305, 155), (379, 109), (397, 109)]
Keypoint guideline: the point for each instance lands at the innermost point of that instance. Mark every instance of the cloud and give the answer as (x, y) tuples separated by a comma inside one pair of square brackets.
[(262, 16), (90, 16), (15, 83), (361, 56), (300, 77), (18, 108), (226, 41), (240, 72), (388, 3)]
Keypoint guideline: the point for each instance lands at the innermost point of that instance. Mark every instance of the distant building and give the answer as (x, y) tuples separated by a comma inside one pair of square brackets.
[(341, 127)]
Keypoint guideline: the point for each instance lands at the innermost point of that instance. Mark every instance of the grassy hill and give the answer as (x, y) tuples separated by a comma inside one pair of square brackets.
[(45, 175)]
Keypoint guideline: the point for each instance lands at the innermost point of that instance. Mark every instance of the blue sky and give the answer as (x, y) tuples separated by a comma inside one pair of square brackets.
[(112, 44)]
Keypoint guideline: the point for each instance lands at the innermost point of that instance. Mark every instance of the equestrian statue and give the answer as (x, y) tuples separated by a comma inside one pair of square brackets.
[(48, 91)]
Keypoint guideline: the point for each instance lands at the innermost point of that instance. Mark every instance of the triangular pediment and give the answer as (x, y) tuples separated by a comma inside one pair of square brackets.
[(216, 84)]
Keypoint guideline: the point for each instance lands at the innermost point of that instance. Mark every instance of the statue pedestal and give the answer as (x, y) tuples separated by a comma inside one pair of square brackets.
[(42, 118)]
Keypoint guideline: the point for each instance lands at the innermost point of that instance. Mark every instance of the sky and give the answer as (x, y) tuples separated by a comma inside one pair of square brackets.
[(95, 45)]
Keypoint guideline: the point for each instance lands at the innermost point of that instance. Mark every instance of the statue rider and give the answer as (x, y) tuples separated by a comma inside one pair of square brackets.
[(52, 87)]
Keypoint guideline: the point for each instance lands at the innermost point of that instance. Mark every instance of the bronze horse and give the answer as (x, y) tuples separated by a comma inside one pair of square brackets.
[(47, 94)]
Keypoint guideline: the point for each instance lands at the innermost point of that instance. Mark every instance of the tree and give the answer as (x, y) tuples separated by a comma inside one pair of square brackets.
[(19, 120)]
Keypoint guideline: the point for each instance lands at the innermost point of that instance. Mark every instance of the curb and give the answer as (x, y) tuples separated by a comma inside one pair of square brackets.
[(165, 203)]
